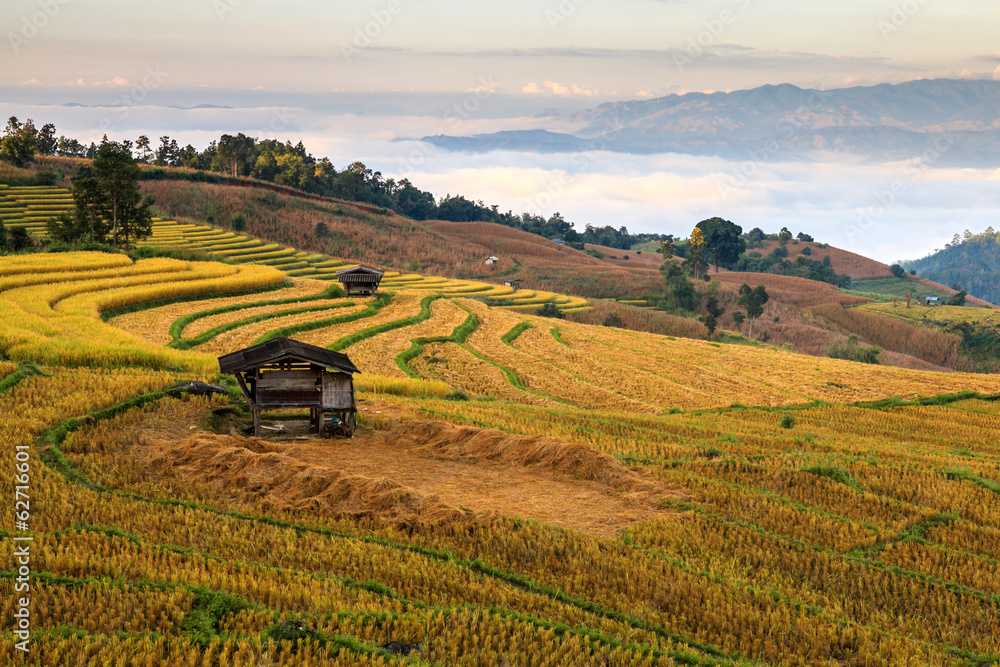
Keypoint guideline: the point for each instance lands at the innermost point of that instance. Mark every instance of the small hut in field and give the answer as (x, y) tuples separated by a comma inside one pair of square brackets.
[(361, 280), (492, 261), (284, 373), (513, 283)]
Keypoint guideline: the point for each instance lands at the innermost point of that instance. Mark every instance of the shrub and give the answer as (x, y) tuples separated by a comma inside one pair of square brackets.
[(239, 222), (807, 251), (897, 271), (958, 299), (457, 395), (787, 421), (613, 320), (20, 239), (551, 310), (710, 324), (852, 351)]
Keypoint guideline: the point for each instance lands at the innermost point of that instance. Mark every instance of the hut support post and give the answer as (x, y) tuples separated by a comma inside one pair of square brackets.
[(320, 422), (256, 422)]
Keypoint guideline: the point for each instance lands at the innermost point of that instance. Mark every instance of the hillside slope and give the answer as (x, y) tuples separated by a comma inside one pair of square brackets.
[(382, 238), (972, 263), (522, 491)]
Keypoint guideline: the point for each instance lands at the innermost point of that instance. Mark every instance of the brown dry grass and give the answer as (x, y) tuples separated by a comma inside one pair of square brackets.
[(858, 267), (641, 319), (649, 261), (932, 346), (419, 472), (789, 290)]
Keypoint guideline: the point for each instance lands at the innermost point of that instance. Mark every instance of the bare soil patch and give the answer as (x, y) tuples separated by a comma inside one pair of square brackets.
[(419, 472)]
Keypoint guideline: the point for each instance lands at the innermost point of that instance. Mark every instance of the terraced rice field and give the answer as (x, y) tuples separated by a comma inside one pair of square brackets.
[(32, 206), (936, 315), (768, 508)]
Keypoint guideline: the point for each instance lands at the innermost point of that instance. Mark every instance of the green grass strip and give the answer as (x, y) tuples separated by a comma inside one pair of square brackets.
[(149, 305), (178, 326), (423, 316), (188, 343), (380, 302), (509, 337), (969, 476), (557, 334), (24, 371), (458, 336)]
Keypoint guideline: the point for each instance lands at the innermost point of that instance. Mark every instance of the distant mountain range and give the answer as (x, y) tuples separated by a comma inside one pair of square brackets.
[(947, 122)]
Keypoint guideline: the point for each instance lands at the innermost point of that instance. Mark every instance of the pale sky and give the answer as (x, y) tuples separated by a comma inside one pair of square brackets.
[(351, 78), (602, 49)]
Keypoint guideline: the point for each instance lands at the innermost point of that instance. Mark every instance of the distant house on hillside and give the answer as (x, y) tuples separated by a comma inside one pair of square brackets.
[(559, 241), (932, 301), (360, 280), (512, 283), (492, 261)]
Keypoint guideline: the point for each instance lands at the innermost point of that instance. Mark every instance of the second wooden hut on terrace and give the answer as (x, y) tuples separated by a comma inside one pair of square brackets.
[(362, 280)]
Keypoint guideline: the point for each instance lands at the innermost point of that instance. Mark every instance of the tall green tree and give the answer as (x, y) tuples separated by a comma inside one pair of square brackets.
[(20, 142), (723, 241), (46, 140), (754, 300), (107, 196), (695, 262), (88, 215)]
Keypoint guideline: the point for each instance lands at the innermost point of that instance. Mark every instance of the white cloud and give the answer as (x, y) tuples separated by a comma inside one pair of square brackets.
[(563, 90)]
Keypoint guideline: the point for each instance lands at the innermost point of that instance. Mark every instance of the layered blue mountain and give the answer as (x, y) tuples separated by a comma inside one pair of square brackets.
[(945, 122)]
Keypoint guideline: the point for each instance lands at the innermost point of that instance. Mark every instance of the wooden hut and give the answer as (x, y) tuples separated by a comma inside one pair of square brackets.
[(513, 283), (362, 280), (284, 373)]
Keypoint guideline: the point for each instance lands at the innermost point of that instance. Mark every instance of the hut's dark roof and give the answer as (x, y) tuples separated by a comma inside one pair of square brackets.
[(360, 270), (284, 349)]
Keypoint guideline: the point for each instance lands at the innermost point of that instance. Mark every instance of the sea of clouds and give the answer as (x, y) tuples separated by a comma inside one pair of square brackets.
[(889, 211)]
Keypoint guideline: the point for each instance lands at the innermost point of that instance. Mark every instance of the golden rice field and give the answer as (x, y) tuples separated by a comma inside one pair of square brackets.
[(239, 248), (32, 206), (936, 315), (806, 511)]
